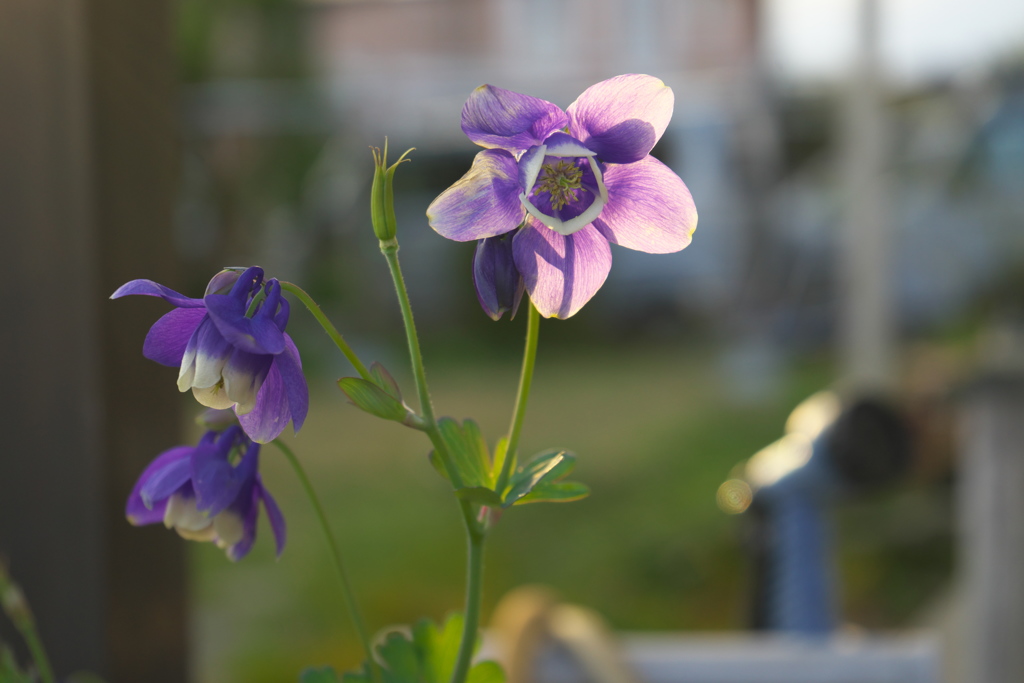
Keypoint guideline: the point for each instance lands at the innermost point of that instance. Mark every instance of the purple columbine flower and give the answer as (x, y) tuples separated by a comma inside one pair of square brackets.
[(572, 182), (232, 349), (203, 495)]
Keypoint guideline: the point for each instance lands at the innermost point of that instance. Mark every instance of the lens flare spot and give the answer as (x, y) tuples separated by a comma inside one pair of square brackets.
[(734, 496)]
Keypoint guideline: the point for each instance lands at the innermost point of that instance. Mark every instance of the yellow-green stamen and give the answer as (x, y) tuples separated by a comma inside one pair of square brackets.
[(560, 180)]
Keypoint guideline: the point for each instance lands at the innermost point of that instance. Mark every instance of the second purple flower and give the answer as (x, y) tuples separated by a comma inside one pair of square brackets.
[(231, 349), (573, 181)]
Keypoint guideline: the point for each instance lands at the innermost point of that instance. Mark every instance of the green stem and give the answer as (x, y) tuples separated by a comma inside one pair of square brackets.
[(474, 530), (390, 250), (16, 607), (329, 328), (474, 590), (346, 585), (525, 380)]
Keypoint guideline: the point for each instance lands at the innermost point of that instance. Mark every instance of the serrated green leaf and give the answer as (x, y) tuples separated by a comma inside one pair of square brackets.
[(385, 381), (438, 648), (400, 658), (481, 495), (468, 451), (324, 675), (435, 461), (427, 655), (555, 492), (500, 450), (361, 676), (371, 398), (547, 466), (486, 672)]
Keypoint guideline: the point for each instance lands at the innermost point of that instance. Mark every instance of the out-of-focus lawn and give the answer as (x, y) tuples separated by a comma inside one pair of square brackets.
[(655, 432)]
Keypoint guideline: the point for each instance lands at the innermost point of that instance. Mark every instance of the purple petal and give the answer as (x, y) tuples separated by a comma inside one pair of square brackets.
[(250, 511), (211, 351), (499, 286), (167, 338), (498, 118), (277, 524), (165, 480), (562, 145), (284, 396), (483, 203), (254, 335), (223, 282), (289, 364), (150, 288), (243, 375), (622, 118), (137, 511), (216, 481), (649, 208), (561, 272)]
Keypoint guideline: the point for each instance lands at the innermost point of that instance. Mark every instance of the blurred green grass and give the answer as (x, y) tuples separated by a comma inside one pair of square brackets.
[(656, 432)]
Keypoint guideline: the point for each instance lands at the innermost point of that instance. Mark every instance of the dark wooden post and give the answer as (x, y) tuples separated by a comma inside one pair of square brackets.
[(87, 183)]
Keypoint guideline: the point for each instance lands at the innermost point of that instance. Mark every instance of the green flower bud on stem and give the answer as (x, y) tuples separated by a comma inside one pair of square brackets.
[(382, 194)]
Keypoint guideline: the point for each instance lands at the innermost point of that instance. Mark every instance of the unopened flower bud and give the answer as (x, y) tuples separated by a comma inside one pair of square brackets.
[(382, 194), (499, 284)]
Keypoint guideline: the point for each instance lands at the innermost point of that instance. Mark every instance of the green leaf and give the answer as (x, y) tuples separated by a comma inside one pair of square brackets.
[(555, 492), (385, 381), (361, 676), (468, 451), (371, 398), (324, 675), (438, 465), (426, 655), (548, 466), (486, 672), (481, 495), (10, 672), (438, 647), (500, 451), (400, 656)]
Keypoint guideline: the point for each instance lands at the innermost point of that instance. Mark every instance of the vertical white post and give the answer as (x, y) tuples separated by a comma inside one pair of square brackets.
[(866, 325)]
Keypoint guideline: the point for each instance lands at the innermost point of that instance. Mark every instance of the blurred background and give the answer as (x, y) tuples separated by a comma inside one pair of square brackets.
[(858, 168)]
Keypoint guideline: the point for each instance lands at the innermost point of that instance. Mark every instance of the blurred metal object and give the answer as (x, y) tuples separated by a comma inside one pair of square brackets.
[(829, 451), (545, 641), (991, 482), (540, 640)]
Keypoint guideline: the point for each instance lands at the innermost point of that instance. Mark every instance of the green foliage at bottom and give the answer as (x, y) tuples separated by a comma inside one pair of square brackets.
[(426, 655)]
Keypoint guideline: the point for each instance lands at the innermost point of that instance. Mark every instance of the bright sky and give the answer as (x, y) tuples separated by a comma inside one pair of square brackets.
[(920, 38)]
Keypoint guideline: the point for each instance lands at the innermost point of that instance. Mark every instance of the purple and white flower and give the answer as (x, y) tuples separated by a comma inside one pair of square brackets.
[(569, 183), (203, 495), (232, 349)]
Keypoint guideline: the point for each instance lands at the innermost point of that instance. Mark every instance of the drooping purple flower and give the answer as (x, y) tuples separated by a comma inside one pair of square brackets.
[(568, 183), (208, 492), (232, 349)]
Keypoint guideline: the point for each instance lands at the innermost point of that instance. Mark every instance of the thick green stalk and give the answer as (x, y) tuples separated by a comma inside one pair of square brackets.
[(329, 328), (346, 585), (14, 604), (474, 591), (390, 250), (525, 380)]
